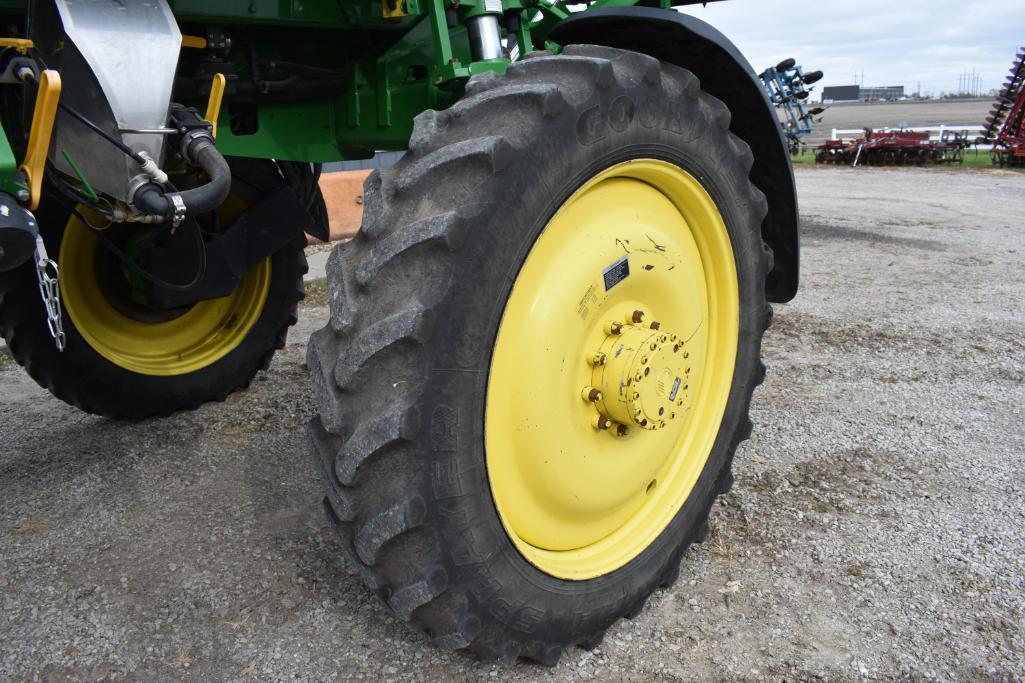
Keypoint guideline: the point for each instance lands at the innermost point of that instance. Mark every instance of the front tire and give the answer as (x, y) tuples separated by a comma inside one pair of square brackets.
[(449, 341)]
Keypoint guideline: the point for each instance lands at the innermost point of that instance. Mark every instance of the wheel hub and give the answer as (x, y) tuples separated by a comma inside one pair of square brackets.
[(639, 376)]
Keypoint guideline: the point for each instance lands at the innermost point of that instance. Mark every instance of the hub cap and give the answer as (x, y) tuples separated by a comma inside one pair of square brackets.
[(641, 376), (611, 369)]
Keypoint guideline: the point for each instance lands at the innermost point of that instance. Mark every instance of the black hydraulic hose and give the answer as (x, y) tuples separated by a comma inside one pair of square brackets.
[(151, 198)]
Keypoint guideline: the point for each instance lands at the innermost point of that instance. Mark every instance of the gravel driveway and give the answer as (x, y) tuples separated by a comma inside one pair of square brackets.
[(877, 527)]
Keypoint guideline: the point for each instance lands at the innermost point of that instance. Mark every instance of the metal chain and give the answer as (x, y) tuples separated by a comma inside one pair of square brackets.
[(49, 289)]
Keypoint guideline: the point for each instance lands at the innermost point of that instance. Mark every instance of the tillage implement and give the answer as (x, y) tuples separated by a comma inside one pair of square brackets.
[(542, 343), (1005, 125)]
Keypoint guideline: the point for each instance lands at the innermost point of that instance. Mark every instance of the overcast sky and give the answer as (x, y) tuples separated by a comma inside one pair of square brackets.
[(895, 42)]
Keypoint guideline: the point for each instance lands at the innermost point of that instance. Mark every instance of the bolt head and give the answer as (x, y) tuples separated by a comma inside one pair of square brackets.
[(23, 195), (591, 394), (597, 358), (655, 325), (614, 327), (601, 422), (621, 430), (637, 316)]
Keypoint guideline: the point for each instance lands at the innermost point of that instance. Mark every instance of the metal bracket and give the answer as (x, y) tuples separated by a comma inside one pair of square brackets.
[(43, 117), (213, 105)]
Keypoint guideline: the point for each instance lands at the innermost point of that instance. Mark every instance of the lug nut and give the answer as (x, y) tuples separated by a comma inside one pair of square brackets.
[(601, 422), (655, 325), (614, 327), (591, 394), (637, 316), (621, 430), (597, 358)]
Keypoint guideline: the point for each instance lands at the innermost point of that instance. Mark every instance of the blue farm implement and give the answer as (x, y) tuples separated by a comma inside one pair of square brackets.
[(789, 87)]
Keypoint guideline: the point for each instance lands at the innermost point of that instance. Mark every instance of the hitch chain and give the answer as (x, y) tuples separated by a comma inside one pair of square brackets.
[(49, 289)]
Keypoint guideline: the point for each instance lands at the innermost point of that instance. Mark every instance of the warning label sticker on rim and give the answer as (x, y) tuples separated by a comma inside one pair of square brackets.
[(617, 272), (676, 389)]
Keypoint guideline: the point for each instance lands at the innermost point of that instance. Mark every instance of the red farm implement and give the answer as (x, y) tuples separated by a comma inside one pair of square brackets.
[(894, 148), (1005, 125)]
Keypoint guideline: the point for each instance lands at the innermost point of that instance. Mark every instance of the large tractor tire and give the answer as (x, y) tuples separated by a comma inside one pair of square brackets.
[(541, 352), (124, 360)]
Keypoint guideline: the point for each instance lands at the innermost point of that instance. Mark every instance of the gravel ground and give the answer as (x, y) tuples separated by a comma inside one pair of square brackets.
[(876, 528)]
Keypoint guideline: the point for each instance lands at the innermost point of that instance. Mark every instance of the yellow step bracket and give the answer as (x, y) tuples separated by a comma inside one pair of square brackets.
[(34, 165)]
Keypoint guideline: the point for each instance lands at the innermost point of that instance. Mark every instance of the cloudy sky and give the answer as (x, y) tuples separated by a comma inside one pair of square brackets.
[(895, 42)]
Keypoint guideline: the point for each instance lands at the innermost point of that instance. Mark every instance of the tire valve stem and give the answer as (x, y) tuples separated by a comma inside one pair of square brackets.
[(591, 394)]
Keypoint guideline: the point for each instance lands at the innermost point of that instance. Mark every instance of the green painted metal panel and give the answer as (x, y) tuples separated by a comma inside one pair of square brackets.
[(394, 68), (8, 166)]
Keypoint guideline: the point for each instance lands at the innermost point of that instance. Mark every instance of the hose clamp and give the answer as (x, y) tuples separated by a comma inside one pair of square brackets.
[(135, 184), (190, 139), (179, 210)]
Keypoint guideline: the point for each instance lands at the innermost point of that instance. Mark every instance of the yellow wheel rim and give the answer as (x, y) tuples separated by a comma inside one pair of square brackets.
[(200, 336), (597, 426)]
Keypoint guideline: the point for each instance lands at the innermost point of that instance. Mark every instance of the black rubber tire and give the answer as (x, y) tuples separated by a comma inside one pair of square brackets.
[(82, 377), (400, 373), (786, 65), (812, 77)]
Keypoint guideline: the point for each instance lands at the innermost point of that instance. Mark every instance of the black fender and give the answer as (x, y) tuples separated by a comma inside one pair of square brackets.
[(725, 74)]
